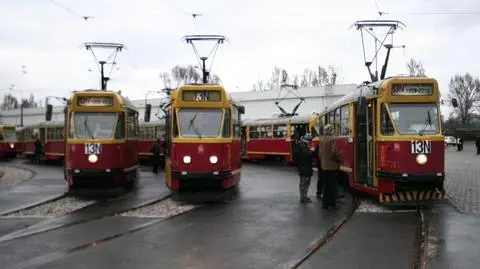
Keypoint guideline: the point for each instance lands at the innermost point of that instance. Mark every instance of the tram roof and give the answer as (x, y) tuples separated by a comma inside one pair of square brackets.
[(153, 123), (123, 100), (45, 124), (279, 120)]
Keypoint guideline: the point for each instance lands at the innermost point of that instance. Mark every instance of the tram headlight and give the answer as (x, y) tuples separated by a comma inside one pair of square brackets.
[(92, 158), (213, 159), (421, 159), (12, 145), (187, 159)]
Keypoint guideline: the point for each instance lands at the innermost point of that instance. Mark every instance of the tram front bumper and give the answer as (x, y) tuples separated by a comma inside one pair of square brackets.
[(195, 180), (94, 176)]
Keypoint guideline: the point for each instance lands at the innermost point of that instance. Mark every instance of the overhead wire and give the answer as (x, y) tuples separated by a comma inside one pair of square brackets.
[(76, 14)]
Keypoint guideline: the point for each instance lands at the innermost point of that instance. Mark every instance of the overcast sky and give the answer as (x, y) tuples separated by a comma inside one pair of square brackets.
[(47, 39)]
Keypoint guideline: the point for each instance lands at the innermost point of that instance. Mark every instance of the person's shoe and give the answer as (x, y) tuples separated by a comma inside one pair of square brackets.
[(305, 200)]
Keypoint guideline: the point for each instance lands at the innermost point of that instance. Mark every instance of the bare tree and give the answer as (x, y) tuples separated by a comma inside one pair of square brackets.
[(186, 75), (466, 89), (9, 102), (167, 81), (415, 68), (215, 79)]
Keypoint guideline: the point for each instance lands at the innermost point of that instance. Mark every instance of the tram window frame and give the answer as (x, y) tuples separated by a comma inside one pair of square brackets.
[(280, 128), (336, 122), (253, 132), (345, 120), (266, 131), (227, 123), (236, 122), (142, 131), (132, 126), (71, 124), (50, 133), (386, 125), (175, 132), (159, 130), (59, 133), (120, 126)]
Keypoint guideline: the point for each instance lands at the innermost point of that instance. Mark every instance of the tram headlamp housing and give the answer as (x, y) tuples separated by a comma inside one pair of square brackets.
[(421, 159), (92, 158), (187, 159), (213, 159), (12, 145)]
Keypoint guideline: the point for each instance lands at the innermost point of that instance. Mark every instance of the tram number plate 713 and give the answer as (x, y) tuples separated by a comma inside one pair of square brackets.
[(93, 148), (421, 146)]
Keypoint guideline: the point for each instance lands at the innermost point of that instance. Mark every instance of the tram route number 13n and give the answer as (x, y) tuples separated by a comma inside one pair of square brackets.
[(93, 148), (420, 146)]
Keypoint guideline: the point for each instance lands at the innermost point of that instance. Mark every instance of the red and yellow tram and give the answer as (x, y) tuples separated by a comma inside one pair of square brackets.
[(8, 141), (101, 139), (149, 132), (277, 137), (203, 143), (390, 139), (50, 135)]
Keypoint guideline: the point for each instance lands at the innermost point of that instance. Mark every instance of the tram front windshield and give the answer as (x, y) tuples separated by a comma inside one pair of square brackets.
[(200, 123), (415, 118), (94, 125), (9, 136)]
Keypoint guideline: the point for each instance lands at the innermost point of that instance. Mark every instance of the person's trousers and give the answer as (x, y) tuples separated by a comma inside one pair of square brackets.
[(330, 188), (303, 186)]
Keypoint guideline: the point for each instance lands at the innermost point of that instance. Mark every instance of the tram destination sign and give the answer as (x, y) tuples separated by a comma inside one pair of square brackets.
[(95, 101), (412, 89), (199, 96)]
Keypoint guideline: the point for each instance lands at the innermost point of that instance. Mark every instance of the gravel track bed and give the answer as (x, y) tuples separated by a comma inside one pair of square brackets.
[(367, 206), (53, 209), (162, 209), (10, 176)]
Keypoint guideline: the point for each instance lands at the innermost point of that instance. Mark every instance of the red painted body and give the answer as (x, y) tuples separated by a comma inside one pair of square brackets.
[(54, 150), (29, 148), (260, 148), (145, 149), (229, 163), (119, 160), (19, 147), (391, 157), (6, 149)]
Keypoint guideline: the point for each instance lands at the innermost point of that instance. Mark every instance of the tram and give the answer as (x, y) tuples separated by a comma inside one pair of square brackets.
[(390, 140), (8, 141), (149, 133), (101, 139), (277, 137), (203, 143), (51, 137)]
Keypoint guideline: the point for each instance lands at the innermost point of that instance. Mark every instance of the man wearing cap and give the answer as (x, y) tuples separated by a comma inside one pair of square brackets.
[(330, 162), (305, 167)]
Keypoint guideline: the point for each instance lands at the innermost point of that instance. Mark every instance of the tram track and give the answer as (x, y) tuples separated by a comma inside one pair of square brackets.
[(97, 211), (317, 244), (420, 246), (57, 255)]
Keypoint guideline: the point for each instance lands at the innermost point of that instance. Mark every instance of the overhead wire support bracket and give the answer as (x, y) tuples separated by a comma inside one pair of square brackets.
[(117, 47), (368, 26), (290, 88), (191, 39)]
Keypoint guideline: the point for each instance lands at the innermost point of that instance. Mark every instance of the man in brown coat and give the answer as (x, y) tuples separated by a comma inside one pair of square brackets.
[(330, 162)]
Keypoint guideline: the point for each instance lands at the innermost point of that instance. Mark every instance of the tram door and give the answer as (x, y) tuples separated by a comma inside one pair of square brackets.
[(365, 141), (243, 131)]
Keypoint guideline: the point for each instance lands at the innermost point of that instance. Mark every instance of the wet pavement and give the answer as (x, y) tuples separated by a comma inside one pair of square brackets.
[(264, 227)]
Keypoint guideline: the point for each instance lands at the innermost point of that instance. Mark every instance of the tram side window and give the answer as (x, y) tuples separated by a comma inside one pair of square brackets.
[(142, 132), (386, 126), (70, 125), (50, 133), (227, 124), (175, 125), (344, 120), (266, 131), (254, 132), (59, 133), (280, 131), (337, 121), (236, 122), (120, 130), (159, 131), (131, 126)]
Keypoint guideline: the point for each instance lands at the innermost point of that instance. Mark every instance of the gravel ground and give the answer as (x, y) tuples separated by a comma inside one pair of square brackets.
[(11, 175), (162, 209), (367, 206), (54, 209)]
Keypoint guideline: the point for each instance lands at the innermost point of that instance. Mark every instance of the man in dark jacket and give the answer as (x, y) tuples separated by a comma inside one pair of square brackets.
[(320, 174), (305, 167), (156, 156)]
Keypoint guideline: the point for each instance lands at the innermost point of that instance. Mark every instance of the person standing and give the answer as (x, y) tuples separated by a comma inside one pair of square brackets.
[(477, 144), (330, 162), (305, 167), (156, 156), (319, 173)]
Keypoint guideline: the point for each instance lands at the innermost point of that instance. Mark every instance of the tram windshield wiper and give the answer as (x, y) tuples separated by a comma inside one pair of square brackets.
[(192, 124), (427, 123), (85, 124)]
